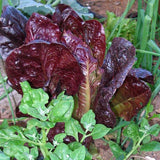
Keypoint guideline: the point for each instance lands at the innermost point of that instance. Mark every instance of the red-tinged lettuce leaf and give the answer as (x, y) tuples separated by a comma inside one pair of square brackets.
[(41, 27), (12, 30), (103, 112), (62, 70), (130, 98), (62, 12), (94, 36), (44, 65), (142, 74), (24, 64), (91, 72), (74, 25), (117, 64)]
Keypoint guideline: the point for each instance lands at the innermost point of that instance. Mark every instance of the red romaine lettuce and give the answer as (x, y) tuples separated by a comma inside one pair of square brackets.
[(67, 53), (45, 65), (12, 30), (118, 62)]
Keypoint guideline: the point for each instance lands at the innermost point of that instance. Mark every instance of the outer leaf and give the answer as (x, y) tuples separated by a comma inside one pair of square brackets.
[(44, 65), (33, 102), (99, 131), (103, 112), (116, 149), (41, 27), (118, 62), (61, 108), (88, 120), (23, 64), (91, 72), (12, 30), (151, 146), (130, 98)]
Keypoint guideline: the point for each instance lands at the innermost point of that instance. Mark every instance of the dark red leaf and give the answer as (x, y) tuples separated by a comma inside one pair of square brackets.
[(41, 27), (103, 112), (94, 36), (142, 74), (44, 65), (12, 30), (118, 62), (62, 69), (23, 64), (91, 72), (130, 98), (74, 25), (62, 12)]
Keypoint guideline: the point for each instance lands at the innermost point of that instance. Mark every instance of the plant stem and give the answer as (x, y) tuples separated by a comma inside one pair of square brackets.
[(119, 136), (43, 148), (9, 100), (135, 147)]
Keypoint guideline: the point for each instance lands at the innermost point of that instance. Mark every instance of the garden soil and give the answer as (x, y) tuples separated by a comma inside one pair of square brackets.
[(99, 7)]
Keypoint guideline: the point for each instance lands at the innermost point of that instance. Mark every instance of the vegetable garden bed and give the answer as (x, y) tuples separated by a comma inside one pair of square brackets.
[(81, 79)]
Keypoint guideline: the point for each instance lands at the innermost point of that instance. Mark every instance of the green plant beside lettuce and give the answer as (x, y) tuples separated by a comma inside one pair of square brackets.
[(126, 29), (26, 142), (139, 137)]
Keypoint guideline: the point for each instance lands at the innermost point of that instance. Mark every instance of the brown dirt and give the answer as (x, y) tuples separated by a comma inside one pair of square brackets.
[(101, 6)]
